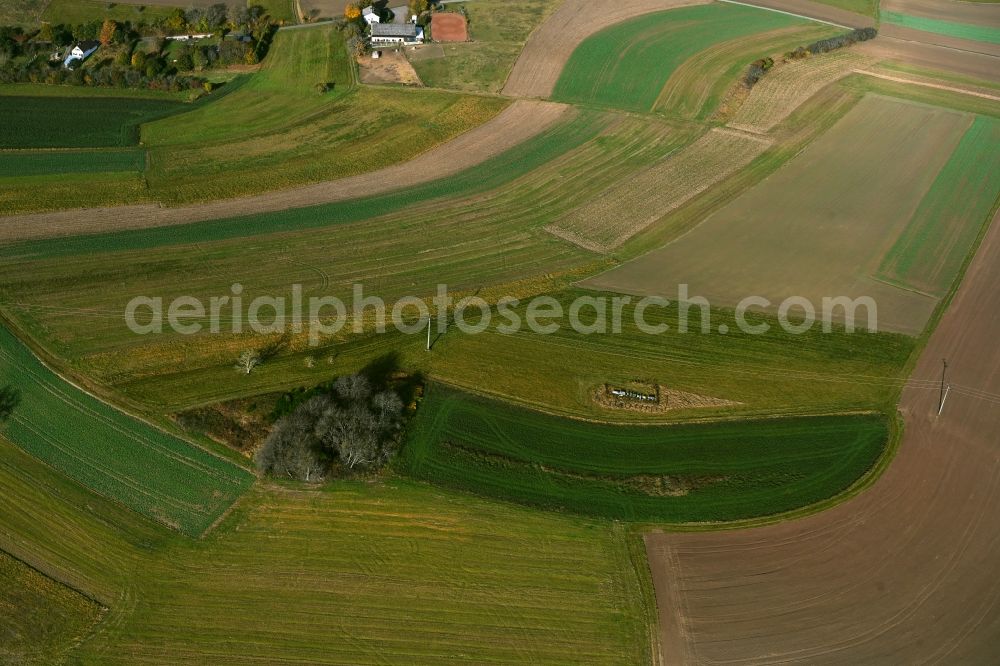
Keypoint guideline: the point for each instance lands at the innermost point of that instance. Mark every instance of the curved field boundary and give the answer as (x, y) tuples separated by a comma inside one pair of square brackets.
[(678, 473), (816, 11), (790, 85), (630, 207), (518, 123), (699, 85), (614, 68), (114, 454), (910, 557), (549, 48)]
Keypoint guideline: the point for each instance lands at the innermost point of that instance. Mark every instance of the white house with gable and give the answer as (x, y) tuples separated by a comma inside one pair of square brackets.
[(370, 16), (81, 52)]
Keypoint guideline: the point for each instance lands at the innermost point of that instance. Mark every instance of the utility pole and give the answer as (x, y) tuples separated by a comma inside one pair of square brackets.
[(941, 394), (428, 332)]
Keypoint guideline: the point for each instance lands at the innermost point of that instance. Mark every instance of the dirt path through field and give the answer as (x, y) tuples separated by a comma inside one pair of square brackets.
[(903, 573), (517, 123)]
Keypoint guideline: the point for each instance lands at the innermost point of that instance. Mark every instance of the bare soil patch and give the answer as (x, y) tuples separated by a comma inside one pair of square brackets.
[(519, 122), (391, 67), (449, 27), (545, 54), (898, 573)]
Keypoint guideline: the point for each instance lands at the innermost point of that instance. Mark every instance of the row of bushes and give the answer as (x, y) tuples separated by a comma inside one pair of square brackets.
[(758, 68), (106, 76)]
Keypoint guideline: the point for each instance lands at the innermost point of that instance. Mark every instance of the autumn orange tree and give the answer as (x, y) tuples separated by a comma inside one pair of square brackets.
[(108, 29), (352, 12)]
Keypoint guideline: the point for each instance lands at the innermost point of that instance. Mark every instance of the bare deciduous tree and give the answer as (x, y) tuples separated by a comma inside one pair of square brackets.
[(247, 361)]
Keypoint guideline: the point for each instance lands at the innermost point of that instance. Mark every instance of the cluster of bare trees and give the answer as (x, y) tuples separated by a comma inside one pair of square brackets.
[(354, 425)]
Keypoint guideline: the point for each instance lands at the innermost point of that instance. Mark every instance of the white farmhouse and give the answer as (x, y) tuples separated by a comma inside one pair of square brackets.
[(370, 16), (81, 52), (396, 34)]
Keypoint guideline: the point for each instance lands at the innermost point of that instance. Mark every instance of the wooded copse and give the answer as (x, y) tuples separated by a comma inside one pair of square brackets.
[(353, 425)]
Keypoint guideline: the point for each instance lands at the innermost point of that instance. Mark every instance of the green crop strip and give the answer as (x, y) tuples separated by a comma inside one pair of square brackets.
[(627, 65), (978, 33), (931, 250), (490, 174), (687, 473), (112, 453), (48, 163)]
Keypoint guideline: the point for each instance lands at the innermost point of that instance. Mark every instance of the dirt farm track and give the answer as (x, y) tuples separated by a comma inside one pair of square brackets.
[(904, 573)]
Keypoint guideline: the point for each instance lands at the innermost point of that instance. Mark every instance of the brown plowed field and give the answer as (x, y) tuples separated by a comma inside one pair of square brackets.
[(904, 573), (519, 122), (816, 10), (931, 56), (449, 27), (975, 13), (545, 54)]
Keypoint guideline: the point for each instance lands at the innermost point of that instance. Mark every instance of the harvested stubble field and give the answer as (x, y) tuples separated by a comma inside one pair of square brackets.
[(38, 615), (789, 85), (868, 174), (612, 68), (118, 456), (628, 208), (683, 473), (515, 125), (462, 576), (700, 84)]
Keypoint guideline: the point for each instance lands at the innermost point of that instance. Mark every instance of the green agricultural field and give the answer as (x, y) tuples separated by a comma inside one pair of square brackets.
[(280, 11), (613, 68), (75, 190), (464, 576), (692, 473), (47, 163), (931, 250), (977, 33), (865, 7), (37, 615), (498, 31), (73, 12), (116, 455), (77, 122)]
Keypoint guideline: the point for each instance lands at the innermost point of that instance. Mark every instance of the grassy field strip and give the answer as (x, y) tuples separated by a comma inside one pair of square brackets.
[(977, 33), (775, 228), (344, 568), (114, 454), (44, 122), (629, 208), (612, 68), (74, 12), (45, 163), (38, 614), (75, 190), (789, 85), (697, 87), (929, 84), (493, 173), (694, 473), (931, 250)]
